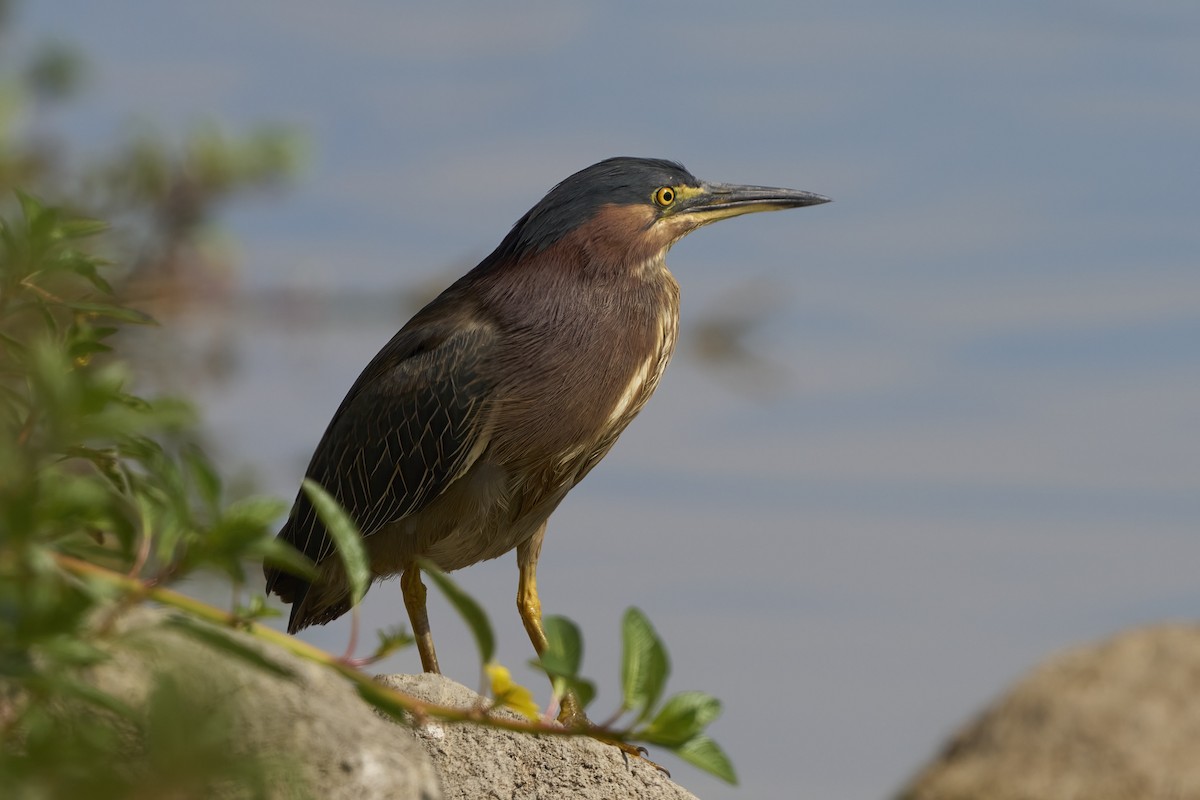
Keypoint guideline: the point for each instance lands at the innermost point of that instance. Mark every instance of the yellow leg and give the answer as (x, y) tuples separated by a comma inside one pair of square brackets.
[(530, 608), (414, 602)]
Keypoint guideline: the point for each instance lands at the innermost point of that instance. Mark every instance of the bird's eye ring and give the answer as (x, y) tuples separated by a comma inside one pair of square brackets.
[(664, 196)]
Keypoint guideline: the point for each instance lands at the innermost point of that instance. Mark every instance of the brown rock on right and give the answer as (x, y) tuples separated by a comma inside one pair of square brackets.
[(1120, 719)]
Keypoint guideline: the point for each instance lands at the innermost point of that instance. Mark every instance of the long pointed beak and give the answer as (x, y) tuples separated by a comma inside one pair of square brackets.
[(716, 201)]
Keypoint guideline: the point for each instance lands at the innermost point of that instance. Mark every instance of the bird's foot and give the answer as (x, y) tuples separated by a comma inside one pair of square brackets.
[(637, 751), (572, 717)]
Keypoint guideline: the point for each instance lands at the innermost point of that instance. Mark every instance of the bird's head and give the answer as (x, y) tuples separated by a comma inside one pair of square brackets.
[(628, 210)]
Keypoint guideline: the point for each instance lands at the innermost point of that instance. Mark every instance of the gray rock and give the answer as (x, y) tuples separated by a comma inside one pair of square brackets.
[(1115, 720), (477, 763), (323, 739)]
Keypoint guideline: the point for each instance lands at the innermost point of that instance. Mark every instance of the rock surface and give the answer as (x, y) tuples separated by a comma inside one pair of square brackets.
[(1119, 719), (317, 738), (1113, 720), (314, 723), (477, 763)]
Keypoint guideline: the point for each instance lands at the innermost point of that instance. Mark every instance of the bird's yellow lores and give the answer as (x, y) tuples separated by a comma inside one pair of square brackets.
[(468, 428)]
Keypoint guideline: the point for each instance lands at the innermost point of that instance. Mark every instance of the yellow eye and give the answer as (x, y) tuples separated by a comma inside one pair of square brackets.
[(664, 196)]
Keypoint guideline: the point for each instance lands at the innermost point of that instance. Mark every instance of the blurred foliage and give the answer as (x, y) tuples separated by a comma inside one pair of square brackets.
[(87, 468), (162, 195), (90, 471)]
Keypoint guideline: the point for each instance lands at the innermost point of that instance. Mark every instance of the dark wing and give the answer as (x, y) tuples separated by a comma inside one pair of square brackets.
[(409, 427)]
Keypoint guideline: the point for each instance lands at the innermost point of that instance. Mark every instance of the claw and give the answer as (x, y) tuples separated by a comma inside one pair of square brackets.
[(572, 716), (638, 752)]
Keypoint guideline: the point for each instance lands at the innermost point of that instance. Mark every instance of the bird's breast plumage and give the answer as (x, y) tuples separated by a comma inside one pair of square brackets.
[(602, 347), (645, 378)]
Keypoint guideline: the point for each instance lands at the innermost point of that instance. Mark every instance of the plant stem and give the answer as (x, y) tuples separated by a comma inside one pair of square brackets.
[(388, 700)]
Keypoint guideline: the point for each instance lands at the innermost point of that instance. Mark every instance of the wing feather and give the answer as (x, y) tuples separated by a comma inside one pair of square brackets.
[(406, 430)]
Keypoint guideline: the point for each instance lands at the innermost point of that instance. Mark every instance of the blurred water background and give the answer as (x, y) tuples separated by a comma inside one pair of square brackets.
[(912, 441)]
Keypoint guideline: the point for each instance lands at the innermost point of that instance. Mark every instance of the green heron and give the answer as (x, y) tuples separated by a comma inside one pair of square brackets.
[(470, 426)]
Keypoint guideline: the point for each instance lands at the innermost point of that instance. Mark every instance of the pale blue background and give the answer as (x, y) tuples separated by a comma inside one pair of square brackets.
[(984, 442)]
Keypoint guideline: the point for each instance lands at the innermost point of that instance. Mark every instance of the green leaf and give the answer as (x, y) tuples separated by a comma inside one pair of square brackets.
[(84, 349), (564, 647), (346, 537), (81, 227), (704, 753), (283, 556), (467, 608), (68, 686), (391, 640), (88, 270), (226, 643), (112, 312), (583, 689), (71, 649), (382, 700), (31, 208), (682, 717), (244, 527), (203, 475), (644, 665), (256, 609), (562, 658)]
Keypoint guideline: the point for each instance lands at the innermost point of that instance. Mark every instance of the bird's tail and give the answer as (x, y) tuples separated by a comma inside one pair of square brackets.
[(312, 603)]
